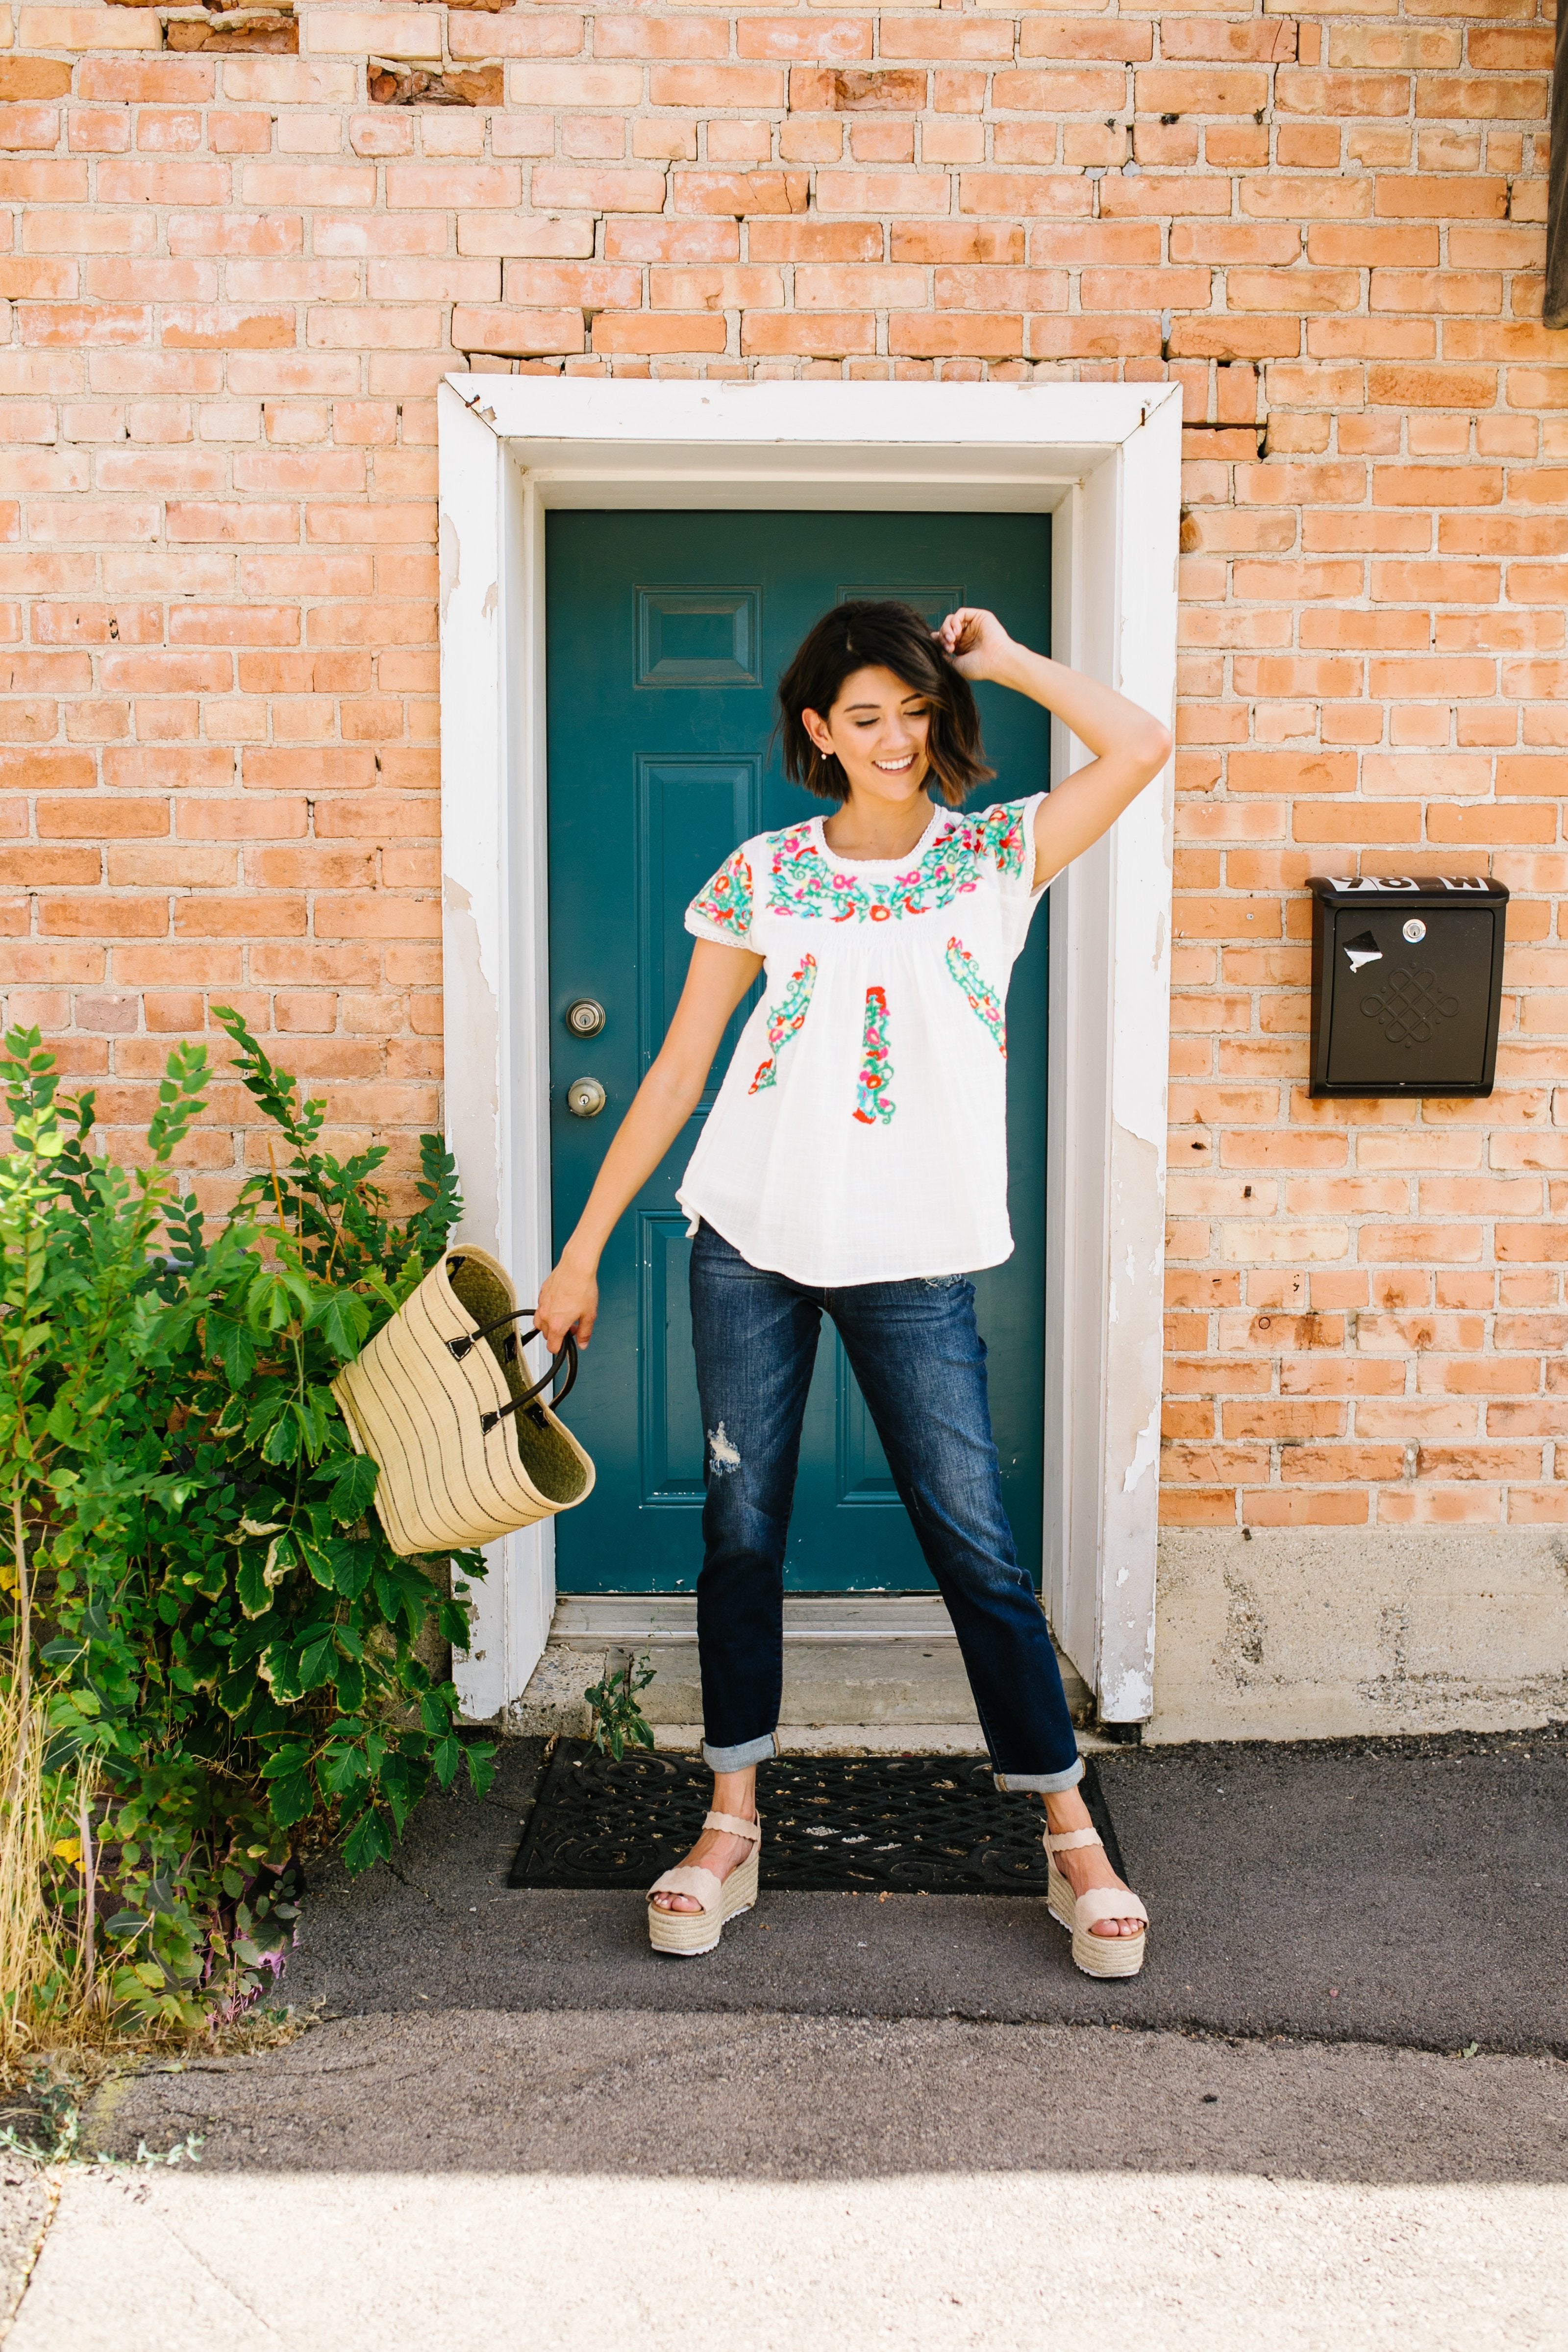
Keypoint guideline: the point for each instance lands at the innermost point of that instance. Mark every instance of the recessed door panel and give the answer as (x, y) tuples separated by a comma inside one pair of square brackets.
[(705, 636), (690, 814), (671, 1445), (934, 604), (862, 1476), (666, 634)]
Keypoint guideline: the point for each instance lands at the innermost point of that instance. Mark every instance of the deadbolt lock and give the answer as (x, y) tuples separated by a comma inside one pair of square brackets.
[(585, 1098), (585, 1016)]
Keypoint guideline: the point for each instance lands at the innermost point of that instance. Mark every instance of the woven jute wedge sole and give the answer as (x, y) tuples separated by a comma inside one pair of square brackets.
[(1097, 1956), (688, 1933)]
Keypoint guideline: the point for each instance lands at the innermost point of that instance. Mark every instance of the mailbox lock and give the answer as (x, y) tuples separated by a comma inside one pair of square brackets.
[(585, 1016), (1414, 930), (585, 1098)]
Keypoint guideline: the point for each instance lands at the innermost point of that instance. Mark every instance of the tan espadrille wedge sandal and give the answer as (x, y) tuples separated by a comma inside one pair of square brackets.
[(691, 1932), (1097, 1956)]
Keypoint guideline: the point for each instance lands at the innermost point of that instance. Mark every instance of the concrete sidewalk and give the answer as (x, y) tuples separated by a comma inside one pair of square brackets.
[(904, 2121), (555, 2183)]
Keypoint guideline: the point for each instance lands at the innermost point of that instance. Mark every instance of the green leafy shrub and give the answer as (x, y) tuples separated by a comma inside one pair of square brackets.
[(193, 1581)]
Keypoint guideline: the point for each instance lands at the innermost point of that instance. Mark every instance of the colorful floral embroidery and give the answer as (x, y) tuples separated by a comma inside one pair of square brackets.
[(1000, 830), (786, 1019), (802, 881), (981, 998), (727, 900), (872, 1102)]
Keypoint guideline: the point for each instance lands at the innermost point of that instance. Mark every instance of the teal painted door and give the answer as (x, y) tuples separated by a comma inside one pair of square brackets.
[(667, 634)]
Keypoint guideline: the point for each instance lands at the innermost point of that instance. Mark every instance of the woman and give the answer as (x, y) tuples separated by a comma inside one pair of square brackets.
[(855, 1162)]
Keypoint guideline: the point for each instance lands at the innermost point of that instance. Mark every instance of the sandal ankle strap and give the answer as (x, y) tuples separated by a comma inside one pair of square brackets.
[(736, 1825), (1064, 1840)]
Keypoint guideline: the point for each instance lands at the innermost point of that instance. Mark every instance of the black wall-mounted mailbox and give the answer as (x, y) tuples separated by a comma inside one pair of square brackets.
[(1407, 983)]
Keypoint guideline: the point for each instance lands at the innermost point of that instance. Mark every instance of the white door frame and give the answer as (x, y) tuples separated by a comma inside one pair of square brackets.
[(1104, 460)]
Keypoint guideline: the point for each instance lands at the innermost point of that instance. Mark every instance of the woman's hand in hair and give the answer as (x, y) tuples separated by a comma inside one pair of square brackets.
[(975, 642), (1130, 745)]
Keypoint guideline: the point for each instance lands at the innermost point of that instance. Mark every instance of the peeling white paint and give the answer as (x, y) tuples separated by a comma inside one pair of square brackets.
[(451, 562), (509, 1617), (1147, 1451), (1110, 947), (470, 992), (1128, 1696)]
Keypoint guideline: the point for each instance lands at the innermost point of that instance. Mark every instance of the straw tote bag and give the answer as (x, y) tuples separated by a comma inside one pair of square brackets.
[(440, 1399)]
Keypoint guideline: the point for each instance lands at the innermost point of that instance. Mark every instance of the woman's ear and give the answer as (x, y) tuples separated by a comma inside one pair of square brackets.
[(816, 727)]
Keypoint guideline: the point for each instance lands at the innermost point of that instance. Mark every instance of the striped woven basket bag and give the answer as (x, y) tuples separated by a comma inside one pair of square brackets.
[(468, 1449)]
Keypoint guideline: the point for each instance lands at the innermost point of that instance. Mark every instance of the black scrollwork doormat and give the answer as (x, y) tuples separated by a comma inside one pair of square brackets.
[(910, 1825)]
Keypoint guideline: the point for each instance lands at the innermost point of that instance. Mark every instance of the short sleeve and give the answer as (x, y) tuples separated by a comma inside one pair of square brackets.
[(1007, 832), (722, 908)]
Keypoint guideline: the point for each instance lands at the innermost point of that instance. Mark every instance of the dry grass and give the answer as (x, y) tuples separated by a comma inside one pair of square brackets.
[(58, 2022), (51, 1988), (79, 2070)]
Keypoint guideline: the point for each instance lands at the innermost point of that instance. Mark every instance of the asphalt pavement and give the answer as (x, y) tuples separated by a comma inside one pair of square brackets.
[(1408, 1892)]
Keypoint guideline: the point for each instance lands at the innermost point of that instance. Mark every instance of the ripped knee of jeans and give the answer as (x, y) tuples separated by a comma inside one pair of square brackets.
[(724, 1456)]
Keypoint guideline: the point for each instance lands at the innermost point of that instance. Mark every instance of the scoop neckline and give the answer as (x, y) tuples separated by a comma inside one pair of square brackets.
[(826, 846)]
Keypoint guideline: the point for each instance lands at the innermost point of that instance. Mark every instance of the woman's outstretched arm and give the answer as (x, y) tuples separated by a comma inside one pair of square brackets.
[(1130, 747), (717, 978)]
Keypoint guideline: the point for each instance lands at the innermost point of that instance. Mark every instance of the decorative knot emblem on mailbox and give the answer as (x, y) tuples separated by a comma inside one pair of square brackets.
[(1407, 983), (1409, 1007)]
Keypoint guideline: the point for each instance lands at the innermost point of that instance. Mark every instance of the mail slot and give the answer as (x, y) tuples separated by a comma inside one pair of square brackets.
[(1407, 983)]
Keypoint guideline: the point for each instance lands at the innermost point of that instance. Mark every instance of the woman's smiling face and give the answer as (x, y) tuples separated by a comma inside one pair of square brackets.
[(878, 728)]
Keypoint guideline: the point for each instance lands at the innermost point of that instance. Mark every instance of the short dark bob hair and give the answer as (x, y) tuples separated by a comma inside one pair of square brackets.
[(880, 636)]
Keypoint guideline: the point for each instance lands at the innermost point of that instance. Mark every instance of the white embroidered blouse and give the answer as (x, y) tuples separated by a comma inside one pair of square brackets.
[(860, 1131)]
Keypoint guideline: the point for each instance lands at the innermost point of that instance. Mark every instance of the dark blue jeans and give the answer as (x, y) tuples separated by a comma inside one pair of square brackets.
[(921, 1365)]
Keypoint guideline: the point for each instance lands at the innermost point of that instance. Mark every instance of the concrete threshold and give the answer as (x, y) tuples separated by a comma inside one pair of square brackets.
[(628, 1617), (863, 1739), (864, 1674)]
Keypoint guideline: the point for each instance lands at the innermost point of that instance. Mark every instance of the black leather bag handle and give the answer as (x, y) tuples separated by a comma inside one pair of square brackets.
[(565, 1354)]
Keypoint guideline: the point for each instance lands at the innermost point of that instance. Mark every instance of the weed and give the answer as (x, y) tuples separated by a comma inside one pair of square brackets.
[(58, 2109), (618, 1718)]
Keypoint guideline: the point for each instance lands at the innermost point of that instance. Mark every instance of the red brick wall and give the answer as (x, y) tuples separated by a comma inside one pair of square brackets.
[(235, 278)]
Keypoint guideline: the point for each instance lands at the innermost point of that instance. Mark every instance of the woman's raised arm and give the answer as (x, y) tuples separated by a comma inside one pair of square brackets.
[(717, 980), (1130, 746)]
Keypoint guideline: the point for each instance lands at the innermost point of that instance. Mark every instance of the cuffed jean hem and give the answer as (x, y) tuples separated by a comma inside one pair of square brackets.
[(741, 1758), (1040, 1784)]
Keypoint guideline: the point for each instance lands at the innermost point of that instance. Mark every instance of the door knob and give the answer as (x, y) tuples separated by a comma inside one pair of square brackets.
[(585, 1018), (585, 1098)]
